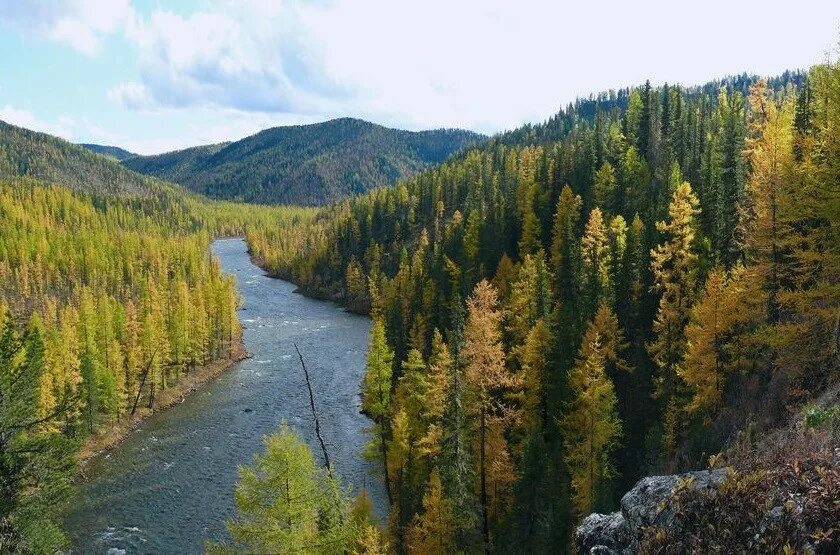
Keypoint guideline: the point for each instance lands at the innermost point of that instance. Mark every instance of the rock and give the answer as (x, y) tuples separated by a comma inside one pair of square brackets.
[(603, 534), (647, 504)]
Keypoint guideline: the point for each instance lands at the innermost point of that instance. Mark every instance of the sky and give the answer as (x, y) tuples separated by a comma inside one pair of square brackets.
[(152, 76)]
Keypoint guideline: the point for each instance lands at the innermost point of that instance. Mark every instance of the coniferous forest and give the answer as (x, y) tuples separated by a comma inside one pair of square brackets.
[(646, 284), (620, 291)]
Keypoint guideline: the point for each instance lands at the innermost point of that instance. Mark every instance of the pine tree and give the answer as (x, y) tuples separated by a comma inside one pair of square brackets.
[(90, 359), (376, 392), (594, 247), (433, 530), (617, 236), (132, 357), (356, 287), (635, 183), (36, 463), (440, 371), (709, 358), (536, 358), (591, 425), (371, 542), (673, 264), (812, 213), (605, 188), (732, 176), (530, 298), (70, 365), (770, 153), (565, 263), (281, 501)]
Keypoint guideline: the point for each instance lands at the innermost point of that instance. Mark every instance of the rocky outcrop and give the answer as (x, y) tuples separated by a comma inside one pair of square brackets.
[(603, 534), (647, 504)]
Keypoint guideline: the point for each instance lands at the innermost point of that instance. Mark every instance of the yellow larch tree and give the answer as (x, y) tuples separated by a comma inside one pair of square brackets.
[(674, 267), (489, 385), (433, 530), (591, 427)]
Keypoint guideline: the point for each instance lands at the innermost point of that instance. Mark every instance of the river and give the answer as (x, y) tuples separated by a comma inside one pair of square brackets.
[(169, 485)]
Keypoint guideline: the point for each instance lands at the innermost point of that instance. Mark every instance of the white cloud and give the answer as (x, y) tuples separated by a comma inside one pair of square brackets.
[(81, 24), (251, 57), (132, 95), (481, 64), (231, 65), (24, 118), (492, 64)]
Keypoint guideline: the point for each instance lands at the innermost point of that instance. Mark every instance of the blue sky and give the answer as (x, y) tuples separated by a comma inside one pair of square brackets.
[(152, 76)]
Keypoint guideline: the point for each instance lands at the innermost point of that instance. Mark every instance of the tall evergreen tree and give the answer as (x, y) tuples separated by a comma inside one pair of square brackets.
[(674, 267)]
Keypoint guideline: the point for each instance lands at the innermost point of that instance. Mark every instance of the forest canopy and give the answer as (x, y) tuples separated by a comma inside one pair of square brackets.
[(572, 305)]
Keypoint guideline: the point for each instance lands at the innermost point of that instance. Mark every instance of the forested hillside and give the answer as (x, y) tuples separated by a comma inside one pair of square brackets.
[(576, 304), (114, 152), (25, 153), (108, 298), (177, 166), (305, 164)]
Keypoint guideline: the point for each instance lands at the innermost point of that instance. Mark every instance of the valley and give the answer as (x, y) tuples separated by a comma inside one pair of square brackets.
[(169, 485), (615, 329)]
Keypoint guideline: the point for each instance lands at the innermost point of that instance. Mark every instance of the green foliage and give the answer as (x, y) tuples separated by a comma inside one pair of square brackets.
[(115, 152), (587, 216), (305, 164), (85, 263), (25, 153), (36, 463), (287, 504), (827, 417)]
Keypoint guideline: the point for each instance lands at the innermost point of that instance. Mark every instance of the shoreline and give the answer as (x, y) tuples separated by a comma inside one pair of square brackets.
[(101, 443)]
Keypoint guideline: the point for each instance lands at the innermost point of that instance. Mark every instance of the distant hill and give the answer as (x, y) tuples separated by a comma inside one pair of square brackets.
[(116, 152), (306, 164), (26, 153), (179, 165)]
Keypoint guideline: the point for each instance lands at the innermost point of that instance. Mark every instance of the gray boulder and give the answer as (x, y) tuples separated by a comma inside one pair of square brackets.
[(604, 534), (647, 504)]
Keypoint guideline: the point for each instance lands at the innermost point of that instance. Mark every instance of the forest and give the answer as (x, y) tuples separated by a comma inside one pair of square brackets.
[(105, 303), (571, 306), (109, 297), (633, 287), (305, 164)]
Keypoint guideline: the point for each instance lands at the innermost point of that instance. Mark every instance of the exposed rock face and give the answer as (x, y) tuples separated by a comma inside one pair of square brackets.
[(643, 506), (603, 534)]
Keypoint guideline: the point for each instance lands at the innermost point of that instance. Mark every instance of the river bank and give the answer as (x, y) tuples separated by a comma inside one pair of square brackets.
[(168, 485), (101, 443)]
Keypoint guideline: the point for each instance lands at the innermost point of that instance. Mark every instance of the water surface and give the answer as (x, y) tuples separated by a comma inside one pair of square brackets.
[(169, 485)]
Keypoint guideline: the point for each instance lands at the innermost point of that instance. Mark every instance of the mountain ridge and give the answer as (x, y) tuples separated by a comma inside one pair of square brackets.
[(51, 159), (115, 152), (306, 164)]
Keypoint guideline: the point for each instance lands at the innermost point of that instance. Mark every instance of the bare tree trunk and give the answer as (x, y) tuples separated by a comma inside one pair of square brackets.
[(142, 382), (314, 412), (318, 431)]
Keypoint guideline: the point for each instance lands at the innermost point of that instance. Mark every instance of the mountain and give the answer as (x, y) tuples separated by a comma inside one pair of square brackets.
[(115, 152), (26, 153), (179, 165), (306, 164)]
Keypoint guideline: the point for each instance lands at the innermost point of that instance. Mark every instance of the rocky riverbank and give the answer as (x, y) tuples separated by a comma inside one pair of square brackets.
[(99, 443)]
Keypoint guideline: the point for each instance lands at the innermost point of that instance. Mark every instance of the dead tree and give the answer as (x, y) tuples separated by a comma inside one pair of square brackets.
[(143, 382), (314, 412)]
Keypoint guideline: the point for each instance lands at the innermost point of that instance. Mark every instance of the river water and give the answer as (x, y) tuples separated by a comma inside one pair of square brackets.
[(169, 485)]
